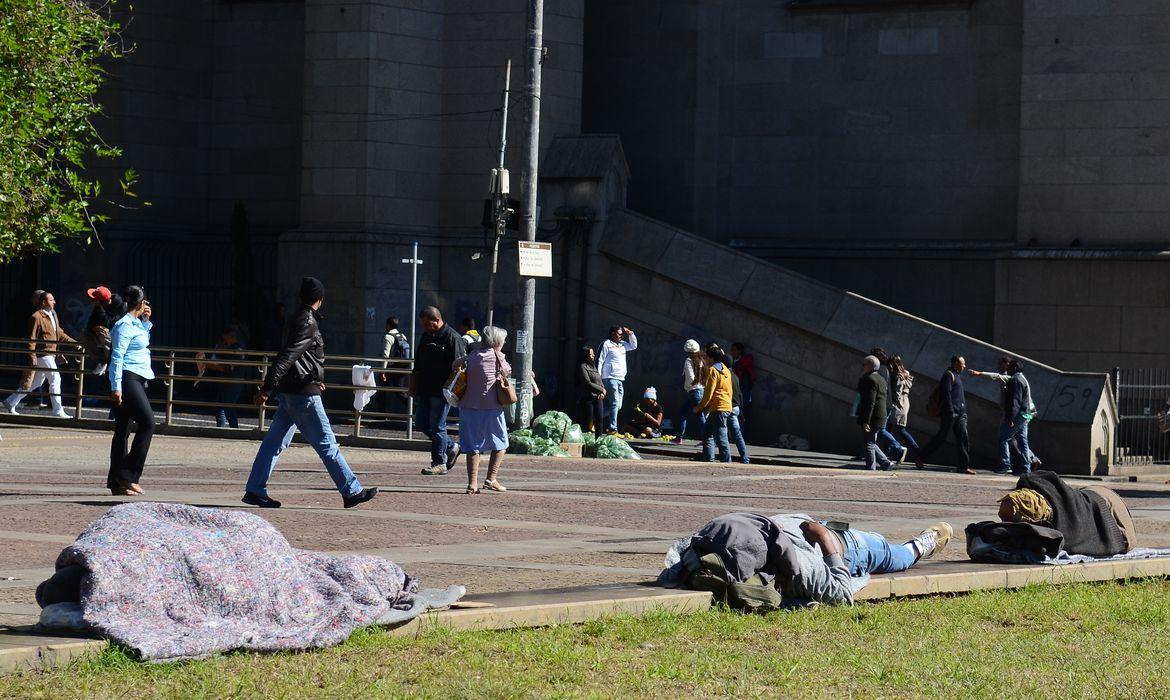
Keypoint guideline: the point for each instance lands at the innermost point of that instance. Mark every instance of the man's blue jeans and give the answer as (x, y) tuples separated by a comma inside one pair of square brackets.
[(306, 413), (1018, 434), (735, 433), (694, 397), (715, 432), (430, 416), (871, 553), (614, 391)]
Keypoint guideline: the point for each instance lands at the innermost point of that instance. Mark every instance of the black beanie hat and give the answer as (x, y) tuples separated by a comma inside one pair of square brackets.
[(312, 290)]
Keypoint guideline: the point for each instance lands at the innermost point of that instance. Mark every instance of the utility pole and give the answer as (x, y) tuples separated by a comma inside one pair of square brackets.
[(500, 190), (524, 345)]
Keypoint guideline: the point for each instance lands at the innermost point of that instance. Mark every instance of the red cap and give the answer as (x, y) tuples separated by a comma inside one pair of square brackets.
[(99, 294)]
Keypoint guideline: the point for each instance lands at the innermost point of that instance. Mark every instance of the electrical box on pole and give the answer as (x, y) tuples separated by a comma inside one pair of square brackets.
[(500, 187)]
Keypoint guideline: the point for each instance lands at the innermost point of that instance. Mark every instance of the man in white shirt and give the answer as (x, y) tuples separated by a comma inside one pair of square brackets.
[(395, 346), (611, 361)]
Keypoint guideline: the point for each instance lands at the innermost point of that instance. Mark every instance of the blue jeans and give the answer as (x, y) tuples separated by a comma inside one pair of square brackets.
[(874, 457), (614, 391), (694, 396), (871, 553), (735, 433), (1025, 447), (1019, 435), (430, 416), (907, 439), (227, 393), (884, 434), (306, 413), (715, 432)]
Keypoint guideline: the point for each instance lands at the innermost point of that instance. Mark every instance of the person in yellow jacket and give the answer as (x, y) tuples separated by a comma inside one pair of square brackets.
[(716, 404)]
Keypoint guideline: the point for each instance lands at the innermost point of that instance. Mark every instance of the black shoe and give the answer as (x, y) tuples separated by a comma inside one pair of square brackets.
[(1003, 470), (260, 501), (360, 498), (452, 456)]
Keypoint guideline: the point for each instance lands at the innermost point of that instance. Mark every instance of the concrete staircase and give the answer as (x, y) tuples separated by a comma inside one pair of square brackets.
[(808, 339)]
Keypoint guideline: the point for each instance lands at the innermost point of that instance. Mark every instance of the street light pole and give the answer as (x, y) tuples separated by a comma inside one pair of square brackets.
[(524, 345)]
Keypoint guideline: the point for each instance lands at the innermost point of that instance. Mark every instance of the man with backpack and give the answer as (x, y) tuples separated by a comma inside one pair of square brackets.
[(949, 404), (395, 346)]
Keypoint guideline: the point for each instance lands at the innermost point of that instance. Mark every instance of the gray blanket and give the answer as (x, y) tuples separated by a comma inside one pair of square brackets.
[(174, 581)]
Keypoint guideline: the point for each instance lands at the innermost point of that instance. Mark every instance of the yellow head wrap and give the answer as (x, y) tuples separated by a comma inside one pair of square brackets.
[(1029, 506)]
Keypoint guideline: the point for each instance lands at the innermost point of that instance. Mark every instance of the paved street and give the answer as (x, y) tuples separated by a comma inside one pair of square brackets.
[(564, 522)]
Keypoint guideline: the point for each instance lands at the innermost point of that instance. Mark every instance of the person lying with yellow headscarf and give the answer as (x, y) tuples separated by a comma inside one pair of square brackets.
[(1093, 519)]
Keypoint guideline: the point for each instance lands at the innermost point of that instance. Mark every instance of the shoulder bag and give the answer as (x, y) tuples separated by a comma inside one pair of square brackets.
[(505, 392)]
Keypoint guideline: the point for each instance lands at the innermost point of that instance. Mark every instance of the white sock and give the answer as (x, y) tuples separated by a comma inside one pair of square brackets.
[(915, 548)]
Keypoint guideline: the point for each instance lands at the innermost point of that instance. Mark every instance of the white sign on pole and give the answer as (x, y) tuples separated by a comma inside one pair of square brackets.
[(522, 342), (535, 259)]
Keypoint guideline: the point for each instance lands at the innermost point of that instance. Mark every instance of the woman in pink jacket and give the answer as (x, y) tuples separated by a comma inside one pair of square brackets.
[(482, 427)]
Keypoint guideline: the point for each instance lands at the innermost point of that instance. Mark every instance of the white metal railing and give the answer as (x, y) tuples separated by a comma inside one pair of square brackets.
[(174, 361)]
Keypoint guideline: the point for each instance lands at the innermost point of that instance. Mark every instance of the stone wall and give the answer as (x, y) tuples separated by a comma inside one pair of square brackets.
[(1095, 131), (808, 340), (745, 122), (206, 106), (1091, 313)]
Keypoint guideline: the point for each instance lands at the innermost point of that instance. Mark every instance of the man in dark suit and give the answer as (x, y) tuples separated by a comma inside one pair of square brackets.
[(872, 407)]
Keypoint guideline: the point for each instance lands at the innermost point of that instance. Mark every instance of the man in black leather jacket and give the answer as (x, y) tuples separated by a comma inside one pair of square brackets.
[(298, 377)]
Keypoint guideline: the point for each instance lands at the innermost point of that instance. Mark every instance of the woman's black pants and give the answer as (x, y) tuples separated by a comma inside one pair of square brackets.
[(126, 466), (591, 411)]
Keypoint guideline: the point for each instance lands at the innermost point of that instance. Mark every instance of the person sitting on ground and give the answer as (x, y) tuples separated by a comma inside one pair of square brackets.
[(647, 420), (741, 555), (1093, 519)]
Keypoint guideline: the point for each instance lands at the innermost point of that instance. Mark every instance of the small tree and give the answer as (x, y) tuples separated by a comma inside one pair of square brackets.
[(50, 71)]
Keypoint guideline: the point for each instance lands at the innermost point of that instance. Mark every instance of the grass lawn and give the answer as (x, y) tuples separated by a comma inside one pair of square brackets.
[(1109, 640)]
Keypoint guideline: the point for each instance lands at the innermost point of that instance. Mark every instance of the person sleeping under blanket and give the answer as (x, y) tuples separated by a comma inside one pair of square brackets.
[(1043, 516)]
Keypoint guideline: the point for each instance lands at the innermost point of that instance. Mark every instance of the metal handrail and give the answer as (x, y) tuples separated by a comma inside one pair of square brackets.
[(170, 357)]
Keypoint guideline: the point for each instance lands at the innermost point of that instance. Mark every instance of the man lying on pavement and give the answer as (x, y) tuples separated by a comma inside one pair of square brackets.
[(762, 562)]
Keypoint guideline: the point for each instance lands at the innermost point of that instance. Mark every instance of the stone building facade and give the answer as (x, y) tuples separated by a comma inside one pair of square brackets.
[(999, 167)]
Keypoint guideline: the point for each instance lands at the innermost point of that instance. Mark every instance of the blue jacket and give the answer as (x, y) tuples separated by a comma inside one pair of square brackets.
[(130, 351)]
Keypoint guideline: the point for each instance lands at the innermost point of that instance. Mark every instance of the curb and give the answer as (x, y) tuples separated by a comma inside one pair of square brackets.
[(557, 606)]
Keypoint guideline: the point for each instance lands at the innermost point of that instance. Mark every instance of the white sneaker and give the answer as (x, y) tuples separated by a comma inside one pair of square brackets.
[(902, 457), (61, 414), (933, 540), (11, 408)]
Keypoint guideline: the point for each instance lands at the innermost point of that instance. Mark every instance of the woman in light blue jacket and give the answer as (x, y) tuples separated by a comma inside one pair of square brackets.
[(130, 374)]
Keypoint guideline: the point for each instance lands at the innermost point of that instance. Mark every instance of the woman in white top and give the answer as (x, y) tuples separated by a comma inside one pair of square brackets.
[(694, 370)]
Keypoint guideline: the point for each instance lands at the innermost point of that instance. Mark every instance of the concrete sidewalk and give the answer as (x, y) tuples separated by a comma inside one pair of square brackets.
[(563, 522)]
